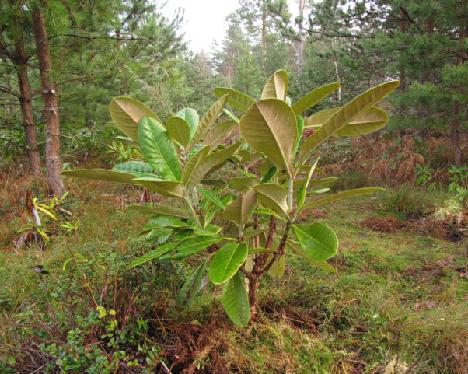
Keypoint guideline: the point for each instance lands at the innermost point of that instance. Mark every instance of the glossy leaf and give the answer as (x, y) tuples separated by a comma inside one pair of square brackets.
[(226, 261), (236, 99), (269, 127), (314, 97), (190, 116), (235, 301), (273, 196), (321, 264), (208, 120), (346, 114), (340, 196), (178, 130), (100, 174), (192, 285), (241, 209), (126, 112), (317, 240), (158, 148), (276, 86)]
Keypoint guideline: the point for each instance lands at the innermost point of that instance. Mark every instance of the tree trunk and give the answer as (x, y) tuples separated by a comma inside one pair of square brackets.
[(28, 119), (300, 41), (455, 135), (51, 113)]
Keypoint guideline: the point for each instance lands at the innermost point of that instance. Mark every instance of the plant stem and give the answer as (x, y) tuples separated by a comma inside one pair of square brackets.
[(192, 211), (290, 194)]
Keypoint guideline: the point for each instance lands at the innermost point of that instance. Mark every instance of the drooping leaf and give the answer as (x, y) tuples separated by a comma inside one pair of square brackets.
[(226, 261), (317, 240), (153, 255), (191, 246), (235, 300), (346, 114), (314, 97), (208, 120), (273, 196), (236, 99), (321, 264), (126, 112), (276, 86), (302, 191), (243, 183), (165, 221), (166, 188), (134, 167), (241, 209), (190, 116), (208, 162), (278, 268), (158, 148), (151, 210), (192, 285), (100, 174), (270, 128), (340, 196), (178, 130)]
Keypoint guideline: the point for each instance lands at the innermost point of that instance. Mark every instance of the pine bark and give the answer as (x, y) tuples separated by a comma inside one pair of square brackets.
[(51, 111), (25, 100)]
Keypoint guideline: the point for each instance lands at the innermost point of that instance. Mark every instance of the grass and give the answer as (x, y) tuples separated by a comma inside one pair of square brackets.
[(395, 300)]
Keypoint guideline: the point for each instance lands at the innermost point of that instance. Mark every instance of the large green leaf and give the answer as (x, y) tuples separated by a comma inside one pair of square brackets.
[(236, 99), (276, 86), (368, 121), (166, 188), (340, 196), (321, 264), (157, 148), (178, 130), (235, 301), (345, 115), (191, 246), (152, 210), (100, 174), (208, 120), (192, 285), (219, 133), (208, 162), (134, 167), (190, 116), (241, 209), (273, 196), (314, 97), (226, 261), (317, 240), (153, 255), (270, 128), (126, 112)]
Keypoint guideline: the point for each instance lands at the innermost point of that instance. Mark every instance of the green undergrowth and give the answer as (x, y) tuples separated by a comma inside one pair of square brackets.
[(396, 299)]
